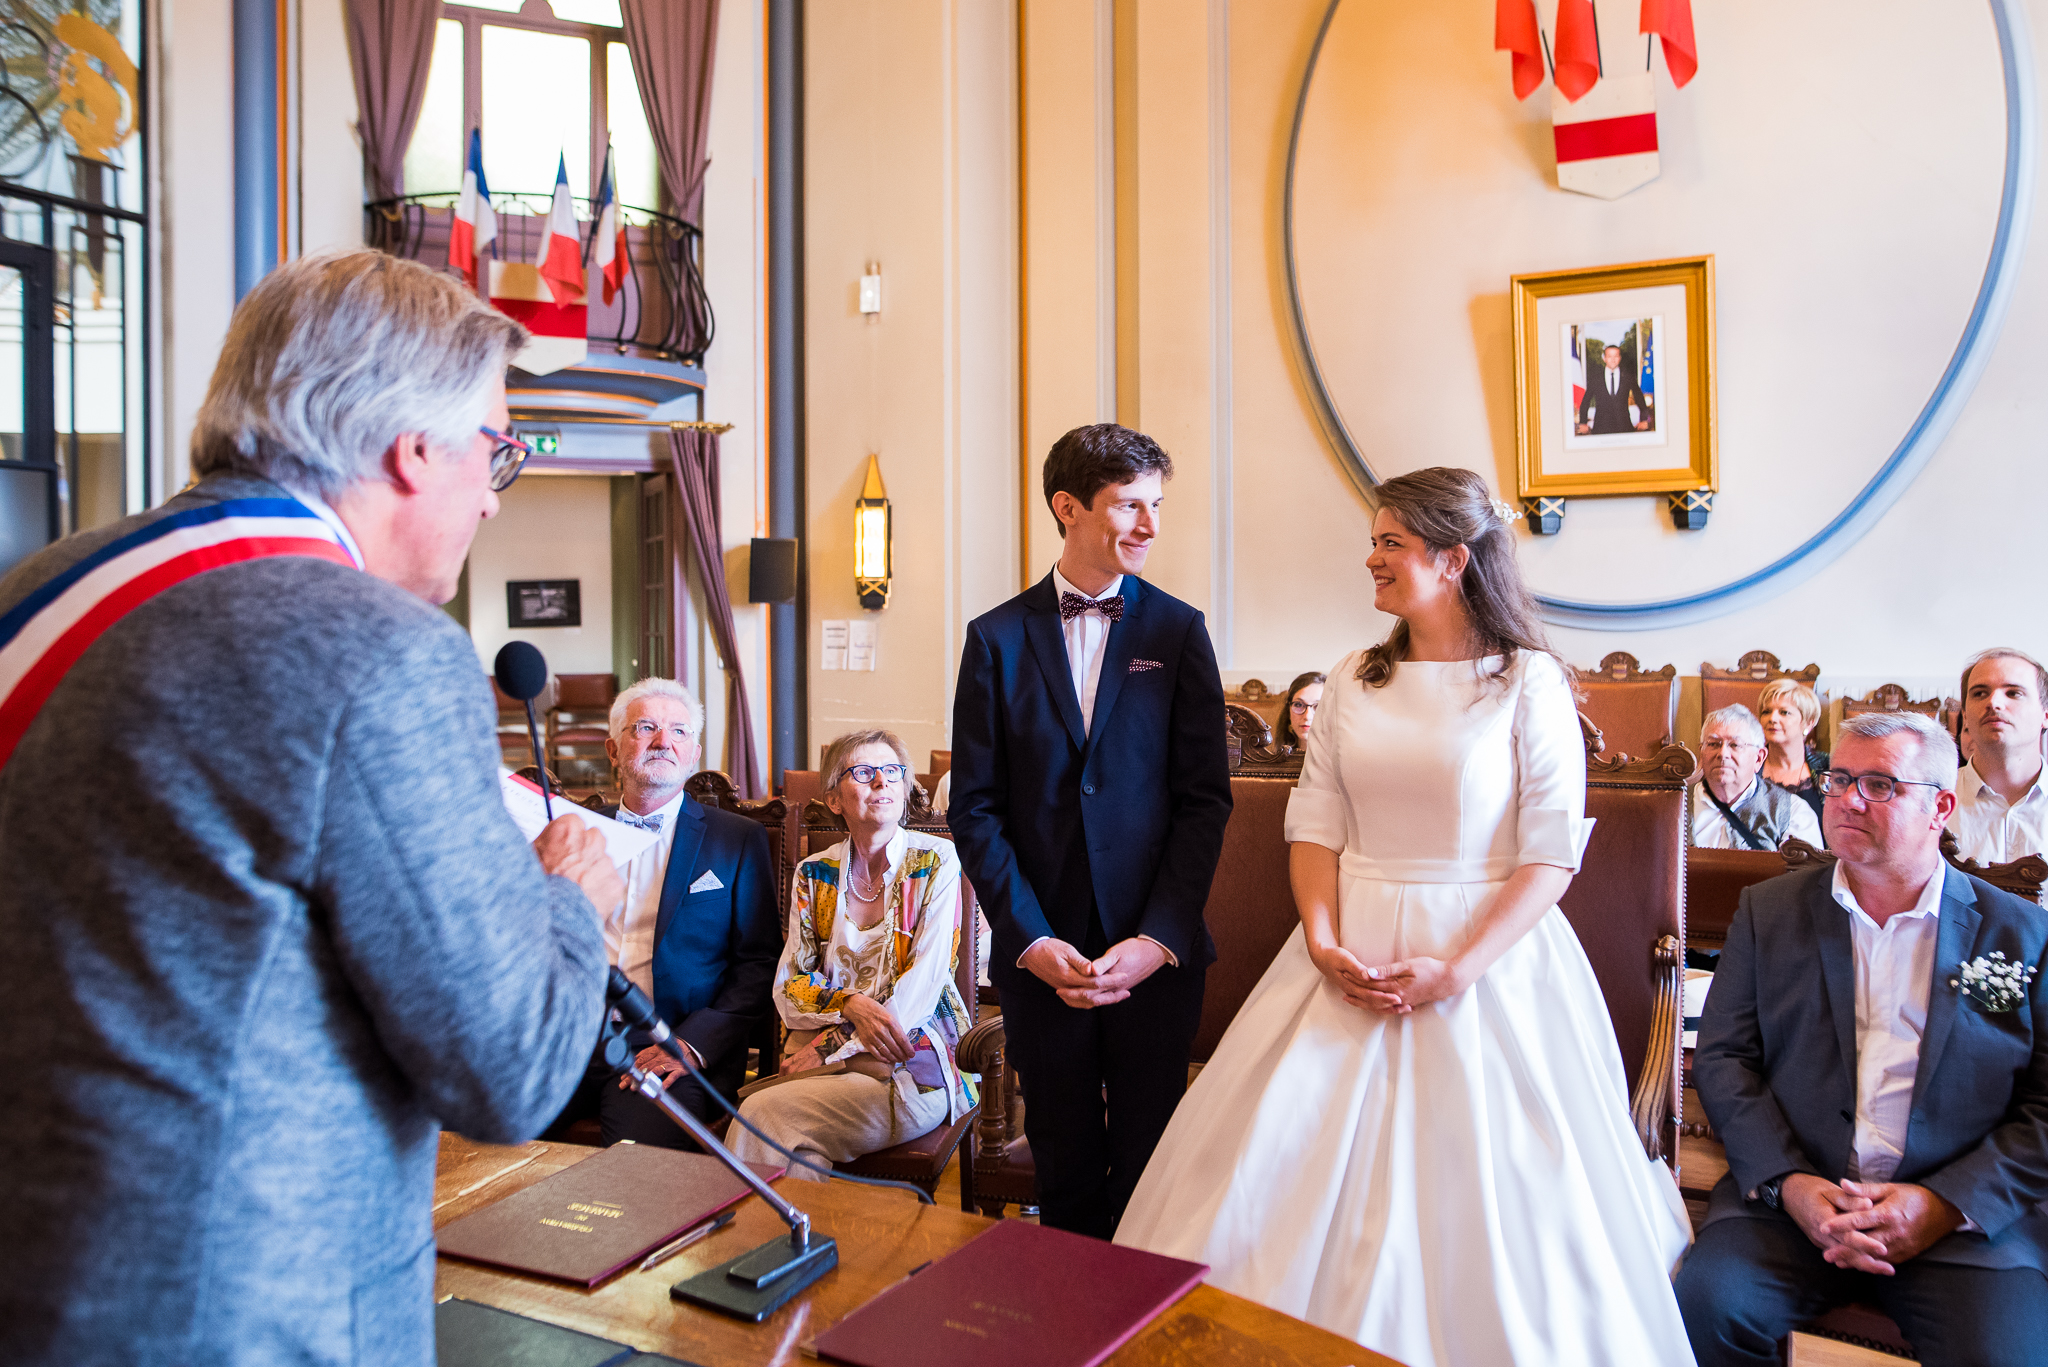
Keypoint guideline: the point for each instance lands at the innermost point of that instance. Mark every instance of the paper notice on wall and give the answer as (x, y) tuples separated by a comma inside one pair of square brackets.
[(529, 814), (860, 645), (834, 654)]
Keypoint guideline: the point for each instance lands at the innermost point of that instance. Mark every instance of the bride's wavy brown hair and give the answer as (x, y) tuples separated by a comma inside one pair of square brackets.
[(1447, 507)]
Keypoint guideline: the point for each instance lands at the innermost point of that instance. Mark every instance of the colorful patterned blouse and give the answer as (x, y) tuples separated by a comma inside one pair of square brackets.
[(905, 962)]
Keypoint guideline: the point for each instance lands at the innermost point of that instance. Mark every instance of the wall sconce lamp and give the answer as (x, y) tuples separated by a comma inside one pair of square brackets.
[(871, 540)]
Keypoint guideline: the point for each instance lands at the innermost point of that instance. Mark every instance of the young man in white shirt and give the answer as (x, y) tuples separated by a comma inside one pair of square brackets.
[(2001, 806)]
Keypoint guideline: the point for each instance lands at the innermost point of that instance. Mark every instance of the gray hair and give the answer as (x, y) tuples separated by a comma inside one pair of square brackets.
[(1934, 760), (333, 355), (655, 688), (1737, 716)]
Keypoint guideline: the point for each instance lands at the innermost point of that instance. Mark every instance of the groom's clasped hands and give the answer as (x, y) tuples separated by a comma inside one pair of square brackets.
[(1395, 988), (1084, 983)]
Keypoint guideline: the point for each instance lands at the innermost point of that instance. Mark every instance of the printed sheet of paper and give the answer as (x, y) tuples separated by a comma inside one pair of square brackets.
[(860, 645), (833, 655), (529, 814)]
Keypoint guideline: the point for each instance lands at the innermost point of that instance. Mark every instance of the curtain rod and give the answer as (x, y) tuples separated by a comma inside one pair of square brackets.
[(716, 429)]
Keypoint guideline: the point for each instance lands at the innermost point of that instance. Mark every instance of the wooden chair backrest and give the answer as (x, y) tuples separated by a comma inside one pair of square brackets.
[(823, 828), (942, 762), (1743, 684), (1635, 709), (585, 692), (1250, 911), (1627, 905)]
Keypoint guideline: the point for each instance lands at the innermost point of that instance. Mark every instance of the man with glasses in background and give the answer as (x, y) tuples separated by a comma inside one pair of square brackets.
[(268, 925), (1874, 1054), (697, 932), (1734, 807)]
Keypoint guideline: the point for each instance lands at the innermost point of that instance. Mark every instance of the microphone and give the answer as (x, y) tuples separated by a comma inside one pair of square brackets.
[(522, 673)]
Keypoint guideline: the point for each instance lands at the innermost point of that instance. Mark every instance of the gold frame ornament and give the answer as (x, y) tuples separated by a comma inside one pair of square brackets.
[(1538, 383)]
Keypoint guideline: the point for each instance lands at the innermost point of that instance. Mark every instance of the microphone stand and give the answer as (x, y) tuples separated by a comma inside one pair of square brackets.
[(758, 1282)]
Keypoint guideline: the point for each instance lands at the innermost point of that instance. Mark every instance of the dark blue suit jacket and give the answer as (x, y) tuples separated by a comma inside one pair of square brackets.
[(715, 950), (1776, 1063), (1124, 819)]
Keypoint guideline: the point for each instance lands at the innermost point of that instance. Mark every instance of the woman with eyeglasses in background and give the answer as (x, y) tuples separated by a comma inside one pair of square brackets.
[(865, 984), (1298, 711)]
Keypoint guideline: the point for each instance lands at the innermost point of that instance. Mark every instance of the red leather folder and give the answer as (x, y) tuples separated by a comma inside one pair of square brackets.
[(595, 1217), (1018, 1295)]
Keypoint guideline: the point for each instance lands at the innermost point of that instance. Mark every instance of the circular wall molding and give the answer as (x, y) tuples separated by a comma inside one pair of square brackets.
[(1901, 467)]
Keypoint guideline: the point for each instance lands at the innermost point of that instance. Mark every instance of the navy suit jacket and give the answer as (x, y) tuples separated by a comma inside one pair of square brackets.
[(715, 950), (1776, 1063), (1124, 818)]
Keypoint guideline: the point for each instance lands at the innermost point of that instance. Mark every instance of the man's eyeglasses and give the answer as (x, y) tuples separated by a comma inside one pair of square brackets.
[(507, 459), (865, 773), (1874, 787), (647, 730)]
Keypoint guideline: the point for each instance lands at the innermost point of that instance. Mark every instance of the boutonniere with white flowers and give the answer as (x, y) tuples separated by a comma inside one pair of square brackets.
[(1992, 983)]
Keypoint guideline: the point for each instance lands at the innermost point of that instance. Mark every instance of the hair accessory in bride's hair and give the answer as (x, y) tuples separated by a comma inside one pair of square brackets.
[(1506, 512)]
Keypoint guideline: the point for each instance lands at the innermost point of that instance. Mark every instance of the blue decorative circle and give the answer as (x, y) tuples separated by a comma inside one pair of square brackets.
[(1972, 353)]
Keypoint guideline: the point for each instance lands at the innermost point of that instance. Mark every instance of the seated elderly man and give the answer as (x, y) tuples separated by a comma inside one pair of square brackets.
[(2001, 804), (1734, 807), (1875, 1056), (698, 931)]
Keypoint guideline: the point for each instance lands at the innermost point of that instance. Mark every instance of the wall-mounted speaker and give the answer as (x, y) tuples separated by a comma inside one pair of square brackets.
[(771, 570)]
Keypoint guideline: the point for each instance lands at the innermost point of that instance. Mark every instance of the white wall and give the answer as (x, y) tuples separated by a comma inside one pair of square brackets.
[(547, 527)]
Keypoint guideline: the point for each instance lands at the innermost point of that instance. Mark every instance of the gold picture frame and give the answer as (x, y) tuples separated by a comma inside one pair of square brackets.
[(1650, 429)]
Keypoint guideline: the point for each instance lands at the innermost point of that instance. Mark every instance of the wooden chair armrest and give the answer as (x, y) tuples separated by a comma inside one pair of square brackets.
[(1654, 1104), (981, 1048)]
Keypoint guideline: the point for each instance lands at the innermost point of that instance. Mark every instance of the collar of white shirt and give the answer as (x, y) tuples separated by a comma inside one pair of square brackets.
[(1928, 903), (1060, 586), (1972, 788), (668, 812), (319, 508)]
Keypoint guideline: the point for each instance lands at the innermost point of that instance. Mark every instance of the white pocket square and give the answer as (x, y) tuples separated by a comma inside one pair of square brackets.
[(708, 883)]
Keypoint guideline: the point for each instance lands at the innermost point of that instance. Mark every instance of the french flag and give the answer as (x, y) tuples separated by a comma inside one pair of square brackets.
[(476, 222), (1576, 372), (608, 237), (561, 247)]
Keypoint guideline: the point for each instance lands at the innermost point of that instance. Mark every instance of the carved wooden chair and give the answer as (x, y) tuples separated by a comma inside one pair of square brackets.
[(1254, 695), (1249, 742), (1743, 684), (578, 726), (923, 1159), (1635, 708), (1893, 697)]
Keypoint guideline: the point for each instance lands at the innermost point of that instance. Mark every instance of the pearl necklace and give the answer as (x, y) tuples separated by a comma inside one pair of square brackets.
[(853, 881)]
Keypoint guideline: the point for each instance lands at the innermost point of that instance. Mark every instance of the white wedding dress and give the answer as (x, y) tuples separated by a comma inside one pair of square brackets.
[(1461, 1186)]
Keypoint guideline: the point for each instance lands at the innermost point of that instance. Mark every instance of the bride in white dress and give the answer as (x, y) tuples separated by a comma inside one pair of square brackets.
[(1416, 1131)]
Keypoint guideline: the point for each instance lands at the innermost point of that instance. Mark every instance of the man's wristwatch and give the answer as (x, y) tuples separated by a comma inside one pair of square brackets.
[(1770, 1193)]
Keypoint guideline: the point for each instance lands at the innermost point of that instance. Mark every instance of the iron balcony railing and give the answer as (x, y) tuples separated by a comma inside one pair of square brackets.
[(662, 307)]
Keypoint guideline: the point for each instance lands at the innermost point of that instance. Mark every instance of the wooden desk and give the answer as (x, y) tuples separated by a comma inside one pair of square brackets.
[(882, 1235)]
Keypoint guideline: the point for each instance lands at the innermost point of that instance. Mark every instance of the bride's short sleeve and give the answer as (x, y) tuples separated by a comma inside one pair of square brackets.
[(1550, 767), (1315, 809)]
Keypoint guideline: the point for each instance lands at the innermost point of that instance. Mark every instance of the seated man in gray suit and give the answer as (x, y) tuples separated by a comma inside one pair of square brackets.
[(288, 930), (698, 931), (1874, 1054), (1734, 807)]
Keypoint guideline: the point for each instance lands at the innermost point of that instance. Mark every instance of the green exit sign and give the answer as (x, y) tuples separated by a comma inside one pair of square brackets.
[(545, 443)]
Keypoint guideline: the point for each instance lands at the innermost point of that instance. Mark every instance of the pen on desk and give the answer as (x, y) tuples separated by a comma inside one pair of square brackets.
[(669, 1250)]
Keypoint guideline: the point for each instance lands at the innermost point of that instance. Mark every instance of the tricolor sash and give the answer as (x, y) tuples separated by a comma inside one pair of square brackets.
[(42, 636)]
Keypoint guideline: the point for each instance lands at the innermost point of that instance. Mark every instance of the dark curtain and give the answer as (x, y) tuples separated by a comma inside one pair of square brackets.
[(390, 46), (693, 453), (671, 42)]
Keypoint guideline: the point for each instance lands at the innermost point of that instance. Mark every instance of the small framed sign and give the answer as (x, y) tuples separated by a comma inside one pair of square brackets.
[(544, 602)]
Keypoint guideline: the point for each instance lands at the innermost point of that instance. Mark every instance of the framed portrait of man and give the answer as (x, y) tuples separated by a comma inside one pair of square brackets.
[(1614, 379)]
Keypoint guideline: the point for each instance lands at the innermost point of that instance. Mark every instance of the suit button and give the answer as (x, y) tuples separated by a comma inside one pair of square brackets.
[(1089, 789)]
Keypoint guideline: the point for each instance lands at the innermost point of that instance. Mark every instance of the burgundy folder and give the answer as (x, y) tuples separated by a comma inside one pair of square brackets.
[(1018, 1295), (595, 1217)]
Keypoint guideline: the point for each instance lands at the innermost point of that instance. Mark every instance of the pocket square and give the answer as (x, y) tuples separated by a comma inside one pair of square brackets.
[(1140, 666), (708, 883)]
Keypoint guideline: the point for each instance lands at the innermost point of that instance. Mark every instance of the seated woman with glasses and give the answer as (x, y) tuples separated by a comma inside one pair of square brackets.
[(1298, 712), (865, 984)]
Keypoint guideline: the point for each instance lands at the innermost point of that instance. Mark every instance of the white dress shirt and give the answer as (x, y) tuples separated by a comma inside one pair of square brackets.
[(318, 506), (1087, 637), (629, 931), (1992, 831), (1711, 831), (1894, 975)]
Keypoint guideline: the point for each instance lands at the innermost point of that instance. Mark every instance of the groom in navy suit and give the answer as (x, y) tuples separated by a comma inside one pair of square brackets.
[(1090, 792)]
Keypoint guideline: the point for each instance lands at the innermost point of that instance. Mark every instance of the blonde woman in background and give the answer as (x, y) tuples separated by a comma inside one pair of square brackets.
[(1789, 711)]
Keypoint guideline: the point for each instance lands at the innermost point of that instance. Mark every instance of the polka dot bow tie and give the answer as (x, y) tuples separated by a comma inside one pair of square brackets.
[(1072, 605)]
